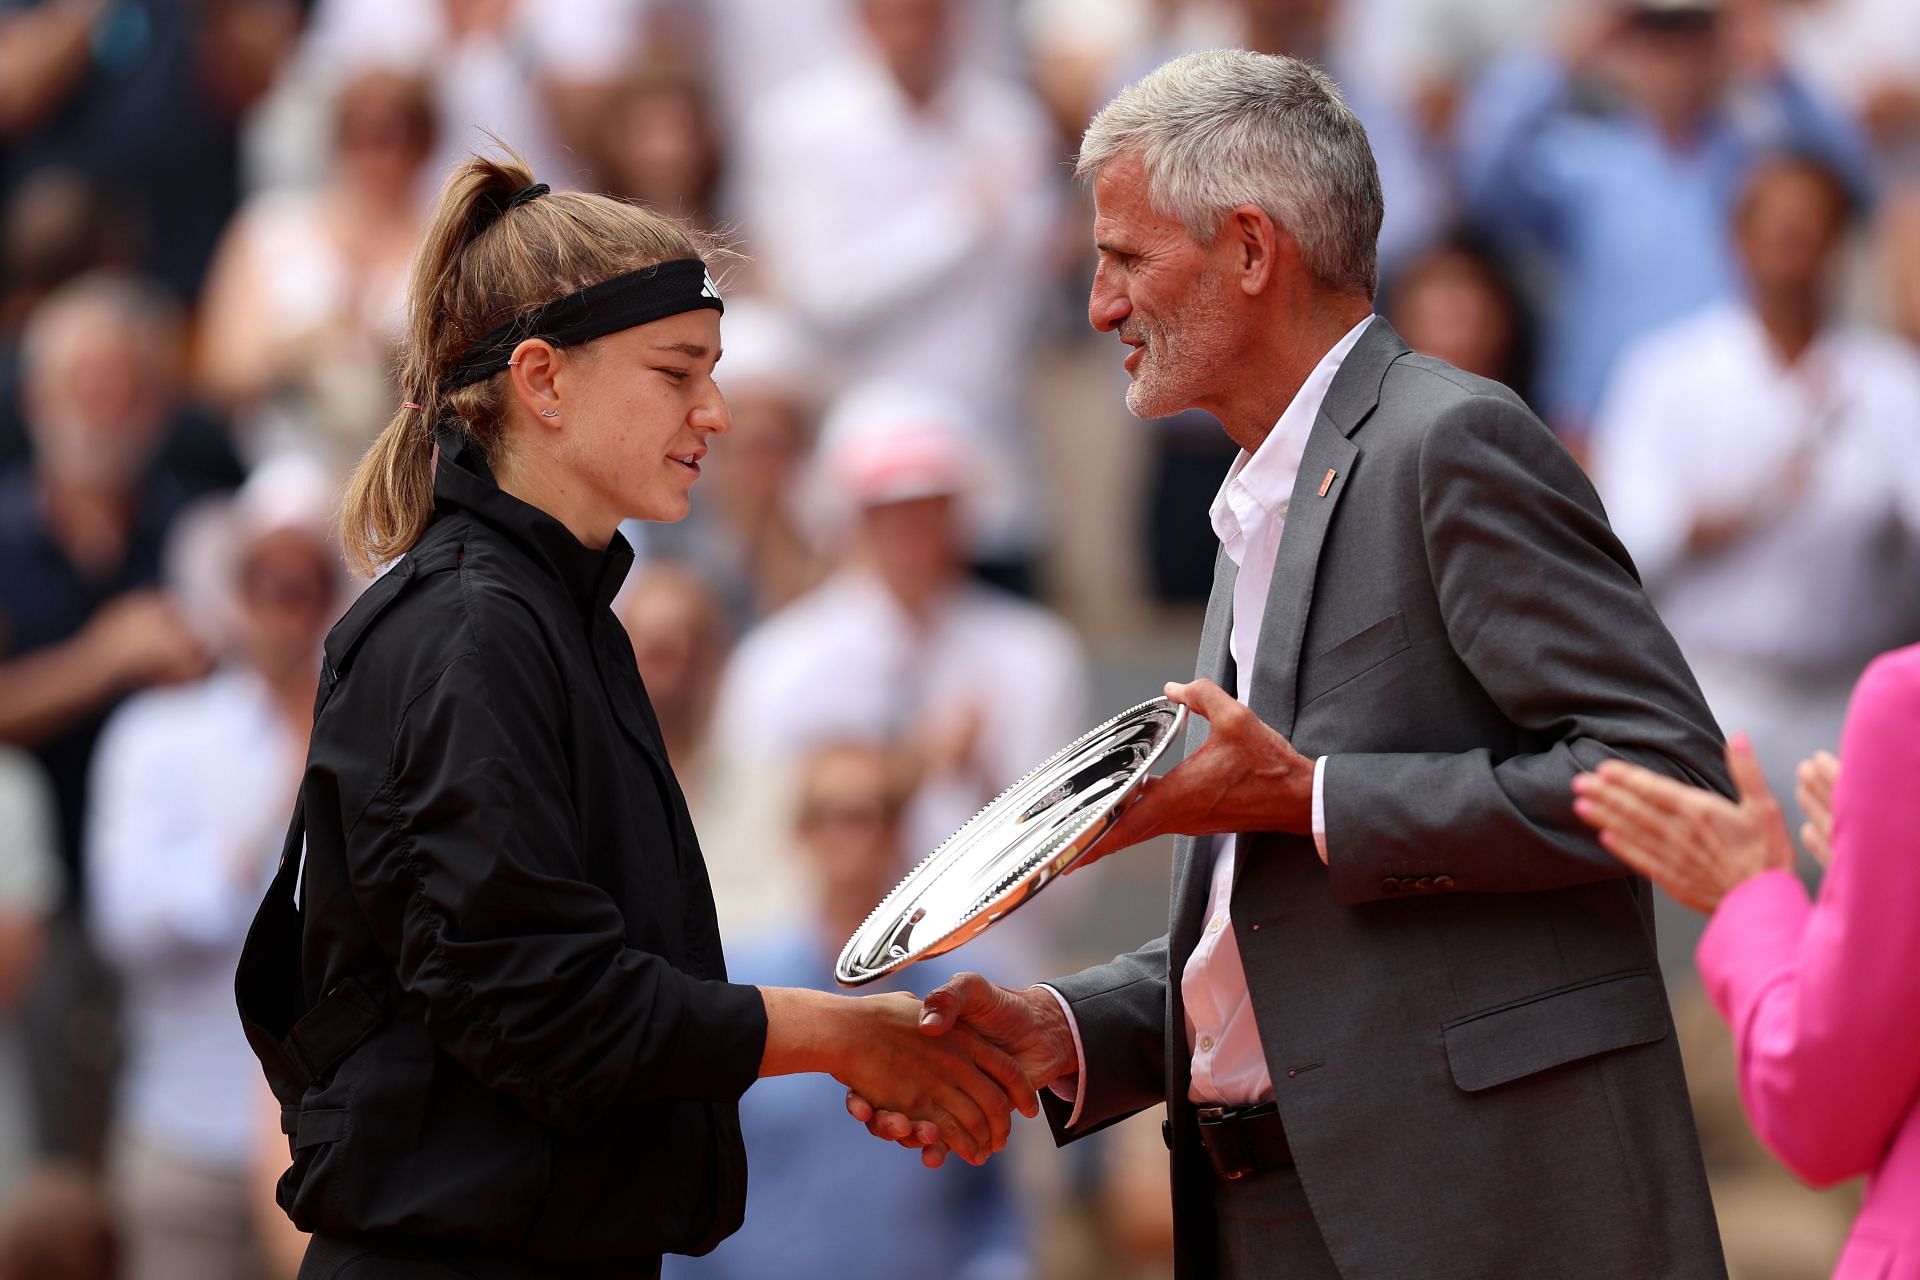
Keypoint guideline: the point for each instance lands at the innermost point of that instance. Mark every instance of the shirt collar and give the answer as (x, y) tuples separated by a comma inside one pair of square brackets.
[(1260, 484), (464, 482)]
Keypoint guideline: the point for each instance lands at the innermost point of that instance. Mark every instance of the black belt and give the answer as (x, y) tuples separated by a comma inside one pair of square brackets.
[(1244, 1140)]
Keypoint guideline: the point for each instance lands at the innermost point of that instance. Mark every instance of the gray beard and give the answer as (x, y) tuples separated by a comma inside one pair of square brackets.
[(1148, 395)]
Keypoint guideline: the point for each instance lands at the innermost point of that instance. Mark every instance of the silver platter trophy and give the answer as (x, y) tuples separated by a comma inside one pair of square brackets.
[(1032, 832)]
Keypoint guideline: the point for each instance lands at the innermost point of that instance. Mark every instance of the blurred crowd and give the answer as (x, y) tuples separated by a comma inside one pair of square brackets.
[(933, 547)]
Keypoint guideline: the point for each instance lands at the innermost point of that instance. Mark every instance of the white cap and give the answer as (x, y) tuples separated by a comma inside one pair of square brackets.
[(894, 441), (209, 541), (288, 491), (766, 349)]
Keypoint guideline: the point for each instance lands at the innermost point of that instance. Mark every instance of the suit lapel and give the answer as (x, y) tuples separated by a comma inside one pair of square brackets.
[(1325, 469), (1276, 663), (1215, 662)]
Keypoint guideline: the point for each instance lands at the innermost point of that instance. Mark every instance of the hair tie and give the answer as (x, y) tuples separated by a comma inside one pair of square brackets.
[(494, 206), (524, 194), (408, 404)]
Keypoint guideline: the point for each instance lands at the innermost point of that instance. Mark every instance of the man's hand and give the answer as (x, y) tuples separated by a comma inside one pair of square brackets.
[(1245, 777), (141, 639), (1028, 1025), (1694, 843), (1818, 775)]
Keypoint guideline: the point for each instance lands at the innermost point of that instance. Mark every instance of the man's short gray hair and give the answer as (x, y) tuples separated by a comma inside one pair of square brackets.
[(138, 305), (1225, 127)]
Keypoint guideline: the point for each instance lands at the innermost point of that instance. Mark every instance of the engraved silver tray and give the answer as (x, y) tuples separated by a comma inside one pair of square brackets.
[(1030, 833)]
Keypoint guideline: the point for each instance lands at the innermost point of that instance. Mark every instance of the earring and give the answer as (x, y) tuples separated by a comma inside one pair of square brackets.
[(549, 413)]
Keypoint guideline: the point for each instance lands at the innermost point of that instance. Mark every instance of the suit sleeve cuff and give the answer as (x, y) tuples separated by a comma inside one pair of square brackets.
[(1070, 1092), (1319, 810)]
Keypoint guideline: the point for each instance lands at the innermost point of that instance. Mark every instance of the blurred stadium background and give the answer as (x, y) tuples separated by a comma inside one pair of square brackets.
[(934, 547)]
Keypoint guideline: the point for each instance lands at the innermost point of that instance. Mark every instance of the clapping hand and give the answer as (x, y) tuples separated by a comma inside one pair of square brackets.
[(1694, 843), (1027, 1025), (1818, 775)]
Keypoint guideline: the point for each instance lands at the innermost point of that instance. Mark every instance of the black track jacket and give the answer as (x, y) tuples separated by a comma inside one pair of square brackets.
[(494, 833)]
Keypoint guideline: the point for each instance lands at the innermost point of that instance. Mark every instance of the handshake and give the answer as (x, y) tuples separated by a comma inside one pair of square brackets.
[(976, 1053)]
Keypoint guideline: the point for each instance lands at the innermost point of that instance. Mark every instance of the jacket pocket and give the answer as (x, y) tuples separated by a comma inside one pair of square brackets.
[(1555, 1027), (317, 1126), (1358, 654)]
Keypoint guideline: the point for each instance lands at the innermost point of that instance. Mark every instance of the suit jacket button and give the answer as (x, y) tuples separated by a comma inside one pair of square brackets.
[(1424, 883), (1443, 882), (1390, 885)]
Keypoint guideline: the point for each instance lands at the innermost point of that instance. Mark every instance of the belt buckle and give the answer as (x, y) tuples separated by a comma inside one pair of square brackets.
[(1216, 1136)]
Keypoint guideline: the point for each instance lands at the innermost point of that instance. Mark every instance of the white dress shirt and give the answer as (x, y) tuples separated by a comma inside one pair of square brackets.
[(1249, 514), (913, 240), (191, 790)]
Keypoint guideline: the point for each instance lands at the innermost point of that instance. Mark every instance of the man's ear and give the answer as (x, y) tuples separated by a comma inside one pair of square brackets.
[(533, 378), (1257, 246)]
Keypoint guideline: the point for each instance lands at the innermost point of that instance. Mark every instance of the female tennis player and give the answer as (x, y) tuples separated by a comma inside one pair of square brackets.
[(487, 985)]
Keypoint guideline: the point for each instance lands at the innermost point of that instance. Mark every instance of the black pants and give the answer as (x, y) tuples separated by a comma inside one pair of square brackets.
[(345, 1258)]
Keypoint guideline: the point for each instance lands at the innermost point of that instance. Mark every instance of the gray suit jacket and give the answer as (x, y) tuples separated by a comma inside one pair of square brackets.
[(1463, 1016)]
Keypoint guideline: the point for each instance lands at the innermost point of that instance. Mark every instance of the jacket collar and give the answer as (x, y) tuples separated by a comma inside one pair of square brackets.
[(463, 482), (1356, 387)]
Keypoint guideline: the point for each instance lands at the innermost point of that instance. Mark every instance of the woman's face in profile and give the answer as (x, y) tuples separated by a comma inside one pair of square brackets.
[(640, 408)]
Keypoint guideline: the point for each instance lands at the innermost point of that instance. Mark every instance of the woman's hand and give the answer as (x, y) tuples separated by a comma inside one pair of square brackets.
[(1691, 842), (963, 1085), (1818, 775)]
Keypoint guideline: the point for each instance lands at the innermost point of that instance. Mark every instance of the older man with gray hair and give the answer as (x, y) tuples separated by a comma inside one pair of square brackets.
[(1407, 1018)]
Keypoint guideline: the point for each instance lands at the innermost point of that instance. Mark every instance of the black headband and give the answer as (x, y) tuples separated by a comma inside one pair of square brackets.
[(624, 302)]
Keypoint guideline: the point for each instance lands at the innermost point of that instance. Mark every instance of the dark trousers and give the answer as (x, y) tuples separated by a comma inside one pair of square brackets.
[(332, 1257), (1263, 1229), (71, 1016)]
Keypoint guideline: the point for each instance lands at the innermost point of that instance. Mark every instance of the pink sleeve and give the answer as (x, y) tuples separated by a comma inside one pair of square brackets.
[(1824, 997)]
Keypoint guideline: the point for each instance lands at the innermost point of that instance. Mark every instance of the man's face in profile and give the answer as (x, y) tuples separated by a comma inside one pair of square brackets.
[(1160, 291)]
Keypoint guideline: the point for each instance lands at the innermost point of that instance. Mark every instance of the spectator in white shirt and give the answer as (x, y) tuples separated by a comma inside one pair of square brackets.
[(903, 202), (1761, 461), (753, 48), (899, 644), (192, 789)]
